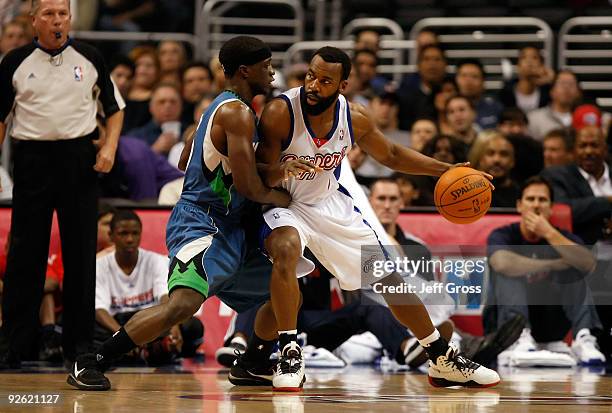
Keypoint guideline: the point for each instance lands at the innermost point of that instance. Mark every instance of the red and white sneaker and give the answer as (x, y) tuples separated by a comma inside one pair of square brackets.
[(289, 371), (454, 369)]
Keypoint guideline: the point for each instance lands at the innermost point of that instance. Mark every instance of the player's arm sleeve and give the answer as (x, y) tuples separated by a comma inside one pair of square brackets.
[(8, 66), (160, 284), (103, 296), (109, 97)]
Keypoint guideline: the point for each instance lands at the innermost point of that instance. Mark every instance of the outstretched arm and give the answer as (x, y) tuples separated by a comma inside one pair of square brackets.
[(394, 156), (236, 121)]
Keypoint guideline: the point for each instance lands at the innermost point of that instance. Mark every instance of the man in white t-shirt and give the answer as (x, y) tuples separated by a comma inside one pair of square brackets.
[(131, 280)]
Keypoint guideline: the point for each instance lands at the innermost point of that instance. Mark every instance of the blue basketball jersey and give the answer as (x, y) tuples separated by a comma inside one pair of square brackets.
[(208, 178)]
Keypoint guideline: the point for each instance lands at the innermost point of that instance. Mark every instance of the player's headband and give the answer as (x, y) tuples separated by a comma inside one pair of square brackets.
[(247, 59)]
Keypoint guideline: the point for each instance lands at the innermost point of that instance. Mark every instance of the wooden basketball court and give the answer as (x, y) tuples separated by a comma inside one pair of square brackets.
[(204, 388)]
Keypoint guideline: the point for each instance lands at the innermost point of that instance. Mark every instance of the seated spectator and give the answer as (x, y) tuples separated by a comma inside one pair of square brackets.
[(416, 92), (497, 159), (513, 121), (197, 83), (442, 93), (370, 82), (122, 72), (525, 272), (531, 90), (49, 345), (131, 280), (461, 118), (146, 77), (296, 75), (164, 129), (446, 149), (558, 148), (218, 75), (13, 36), (527, 151), (413, 189), (585, 186), (564, 95), (422, 131), (125, 16), (104, 244), (470, 79), (172, 57), (426, 37), (384, 109), (367, 39)]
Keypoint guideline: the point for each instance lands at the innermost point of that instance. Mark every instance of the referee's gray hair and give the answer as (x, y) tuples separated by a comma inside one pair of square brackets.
[(36, 5)]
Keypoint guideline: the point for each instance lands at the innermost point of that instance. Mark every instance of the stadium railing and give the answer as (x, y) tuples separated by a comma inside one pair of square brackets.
[(493, 40), (224, 19), (585, 48)]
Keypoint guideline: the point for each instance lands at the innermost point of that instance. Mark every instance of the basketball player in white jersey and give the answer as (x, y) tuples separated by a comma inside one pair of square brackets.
[(316, 123)]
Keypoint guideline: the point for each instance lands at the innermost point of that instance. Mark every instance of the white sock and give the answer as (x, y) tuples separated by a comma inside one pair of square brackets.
[(425, 342)]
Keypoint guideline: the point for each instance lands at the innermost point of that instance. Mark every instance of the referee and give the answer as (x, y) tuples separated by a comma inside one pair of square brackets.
[(52, 88)]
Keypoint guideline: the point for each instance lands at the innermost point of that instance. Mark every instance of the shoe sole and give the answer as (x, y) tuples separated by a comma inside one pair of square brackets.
[(440, 382), (82, 386), (446, 329), (503, 338), (291, 389)]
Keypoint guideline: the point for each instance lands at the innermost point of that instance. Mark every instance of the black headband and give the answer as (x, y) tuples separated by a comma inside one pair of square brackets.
[(247, 59)]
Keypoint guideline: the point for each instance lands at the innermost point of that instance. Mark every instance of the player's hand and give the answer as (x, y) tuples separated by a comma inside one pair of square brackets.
[(468, 165), (296, 167), (105, 159), (538, 225), (176, 338)]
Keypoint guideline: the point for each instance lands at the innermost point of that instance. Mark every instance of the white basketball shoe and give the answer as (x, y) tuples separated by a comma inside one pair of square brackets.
[(454, 369), (289, 371)]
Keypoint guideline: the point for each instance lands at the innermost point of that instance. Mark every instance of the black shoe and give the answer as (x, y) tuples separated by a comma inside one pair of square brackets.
[(249, 373), (496, 342), (50, 345), (88, 374), (226, 355)]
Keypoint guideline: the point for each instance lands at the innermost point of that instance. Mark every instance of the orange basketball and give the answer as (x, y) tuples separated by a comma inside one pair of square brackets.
[(462, 195)]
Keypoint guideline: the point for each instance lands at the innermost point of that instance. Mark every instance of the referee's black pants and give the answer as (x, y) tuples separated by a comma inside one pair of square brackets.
[(52, 175)]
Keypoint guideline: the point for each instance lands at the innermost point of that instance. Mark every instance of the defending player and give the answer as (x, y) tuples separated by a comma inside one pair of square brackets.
[(208, 251), (317, 123)]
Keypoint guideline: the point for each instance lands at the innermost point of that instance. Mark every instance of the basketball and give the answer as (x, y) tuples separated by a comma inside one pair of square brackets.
[(462, 195)]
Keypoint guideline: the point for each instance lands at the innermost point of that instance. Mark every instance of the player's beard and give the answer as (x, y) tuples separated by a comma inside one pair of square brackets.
[(321, 106)]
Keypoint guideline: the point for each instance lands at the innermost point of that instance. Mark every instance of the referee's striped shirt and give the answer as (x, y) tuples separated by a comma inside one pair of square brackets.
[(54, 95)]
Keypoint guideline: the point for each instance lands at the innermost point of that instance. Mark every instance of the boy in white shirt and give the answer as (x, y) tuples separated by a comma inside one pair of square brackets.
[(132, 279)]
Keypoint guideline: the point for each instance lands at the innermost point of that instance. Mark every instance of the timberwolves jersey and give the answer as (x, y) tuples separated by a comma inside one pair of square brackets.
[(208, 178), (326, 152)]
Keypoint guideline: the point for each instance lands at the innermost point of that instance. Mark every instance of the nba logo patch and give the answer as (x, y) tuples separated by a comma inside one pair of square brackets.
[(78, 73), (341, 134)]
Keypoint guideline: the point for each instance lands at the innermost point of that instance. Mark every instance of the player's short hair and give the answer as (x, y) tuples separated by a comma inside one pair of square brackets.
[(334, 55), (538, 180), (124, 215), (242, 50)]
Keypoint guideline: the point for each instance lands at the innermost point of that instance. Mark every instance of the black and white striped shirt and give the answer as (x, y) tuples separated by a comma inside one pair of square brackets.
[(55, 95)]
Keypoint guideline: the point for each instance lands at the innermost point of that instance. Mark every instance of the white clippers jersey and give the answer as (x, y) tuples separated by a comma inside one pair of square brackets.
[(311, 188)]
